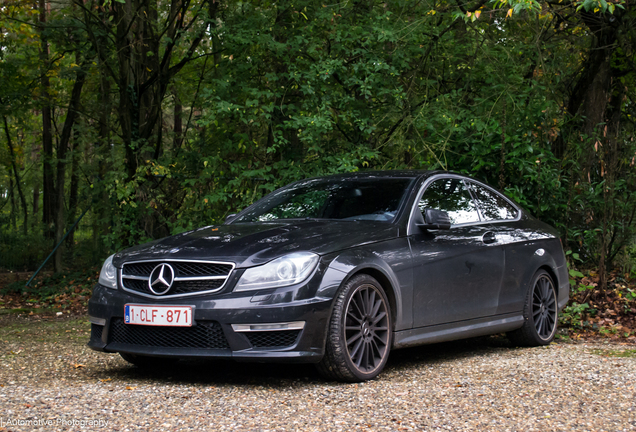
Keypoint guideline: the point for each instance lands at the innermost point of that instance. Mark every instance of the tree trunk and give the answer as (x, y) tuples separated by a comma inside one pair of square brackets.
[(178, 122), (12, 217), (72, 199), (502, 161), (102, 214), (590, 98), (62, 148), (36, 205), (48, 189), (17, 177)]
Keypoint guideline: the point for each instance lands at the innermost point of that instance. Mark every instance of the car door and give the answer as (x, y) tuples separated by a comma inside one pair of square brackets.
[(457, 273), (503, 218)]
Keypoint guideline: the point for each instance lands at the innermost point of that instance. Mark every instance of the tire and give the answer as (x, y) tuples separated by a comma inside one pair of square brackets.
[(147, 362), (540, 313), (359, 335)]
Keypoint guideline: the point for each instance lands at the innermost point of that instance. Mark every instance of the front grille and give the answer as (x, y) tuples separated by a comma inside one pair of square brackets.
[(188, 286), (182, 268), (96, 333), (139, 269), (138, 285), (271, 339), (178, 287), (190, 277), (203, 269), (204, 335)]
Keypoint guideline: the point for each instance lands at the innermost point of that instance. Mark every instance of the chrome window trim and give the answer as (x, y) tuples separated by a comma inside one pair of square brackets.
[(432, 178), (176, 279)]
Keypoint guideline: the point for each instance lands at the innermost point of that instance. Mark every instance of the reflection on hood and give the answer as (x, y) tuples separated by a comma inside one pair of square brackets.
[(256, 243)]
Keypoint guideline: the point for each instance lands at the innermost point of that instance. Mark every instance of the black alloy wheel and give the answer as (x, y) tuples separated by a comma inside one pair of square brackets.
[(366, 328), (540, 313), (544, 308), (359, 338)]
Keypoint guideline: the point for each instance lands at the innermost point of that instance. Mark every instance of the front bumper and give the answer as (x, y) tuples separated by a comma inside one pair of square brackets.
[(221, 326)]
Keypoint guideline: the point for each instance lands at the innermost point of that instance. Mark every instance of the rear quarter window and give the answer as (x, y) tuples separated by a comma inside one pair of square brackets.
[(492, 205)]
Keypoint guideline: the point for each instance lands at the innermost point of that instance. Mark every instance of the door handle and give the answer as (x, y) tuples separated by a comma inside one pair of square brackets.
[(489, 238)]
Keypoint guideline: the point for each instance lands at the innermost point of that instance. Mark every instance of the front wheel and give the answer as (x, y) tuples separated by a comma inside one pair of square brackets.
[(359, 333), (540, 313)]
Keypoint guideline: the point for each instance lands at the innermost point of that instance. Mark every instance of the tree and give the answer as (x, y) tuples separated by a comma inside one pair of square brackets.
[(179, 113)]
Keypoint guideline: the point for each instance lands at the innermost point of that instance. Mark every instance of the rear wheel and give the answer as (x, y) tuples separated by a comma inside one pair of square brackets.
[(359, 333), (540, 313)]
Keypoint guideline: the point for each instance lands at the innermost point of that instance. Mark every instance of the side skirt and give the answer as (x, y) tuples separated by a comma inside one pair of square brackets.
[(457, 330)]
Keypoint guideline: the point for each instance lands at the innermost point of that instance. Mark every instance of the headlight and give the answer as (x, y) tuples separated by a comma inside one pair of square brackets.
[(108, 275), (287, 270)]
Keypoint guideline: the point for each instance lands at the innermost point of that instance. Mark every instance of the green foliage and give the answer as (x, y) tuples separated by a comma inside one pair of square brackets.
[(20, 253), (572, 315), (52, 293), (181, 125)]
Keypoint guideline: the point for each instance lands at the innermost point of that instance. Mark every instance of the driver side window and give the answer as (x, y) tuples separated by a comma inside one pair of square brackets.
[(452, 196)]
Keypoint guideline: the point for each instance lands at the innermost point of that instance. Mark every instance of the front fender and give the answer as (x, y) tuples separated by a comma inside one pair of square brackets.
[(392, 269)]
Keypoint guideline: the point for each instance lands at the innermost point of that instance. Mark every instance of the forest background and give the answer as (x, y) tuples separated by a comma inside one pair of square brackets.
[(152, 117)]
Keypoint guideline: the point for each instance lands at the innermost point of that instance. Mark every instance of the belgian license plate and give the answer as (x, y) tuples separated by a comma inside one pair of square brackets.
[(176, 316)]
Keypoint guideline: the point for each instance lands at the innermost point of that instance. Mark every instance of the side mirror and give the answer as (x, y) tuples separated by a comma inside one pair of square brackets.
[(435, 219), (229, 218)]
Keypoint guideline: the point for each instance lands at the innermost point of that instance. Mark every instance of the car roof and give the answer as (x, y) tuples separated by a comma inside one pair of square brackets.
[(382, 174)]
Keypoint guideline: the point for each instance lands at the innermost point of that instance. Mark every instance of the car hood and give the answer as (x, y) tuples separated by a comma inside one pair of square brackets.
[(249, 244)]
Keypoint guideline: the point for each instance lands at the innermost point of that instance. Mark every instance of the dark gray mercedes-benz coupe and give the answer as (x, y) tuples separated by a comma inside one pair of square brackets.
[(337, 271)]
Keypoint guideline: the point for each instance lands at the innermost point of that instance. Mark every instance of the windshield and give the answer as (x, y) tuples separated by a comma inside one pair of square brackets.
[(376, 199)]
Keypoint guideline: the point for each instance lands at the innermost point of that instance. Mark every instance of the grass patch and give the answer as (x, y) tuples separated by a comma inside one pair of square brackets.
[(614, 353), (46, 331), (41, 311)]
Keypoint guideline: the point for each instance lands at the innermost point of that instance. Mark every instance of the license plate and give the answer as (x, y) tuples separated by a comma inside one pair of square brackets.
[(176, 316)]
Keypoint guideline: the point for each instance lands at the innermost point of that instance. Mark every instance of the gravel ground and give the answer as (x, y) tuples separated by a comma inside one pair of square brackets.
[(49, 380)]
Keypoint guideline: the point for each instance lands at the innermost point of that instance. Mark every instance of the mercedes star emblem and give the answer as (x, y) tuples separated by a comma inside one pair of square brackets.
[(161, 279)]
